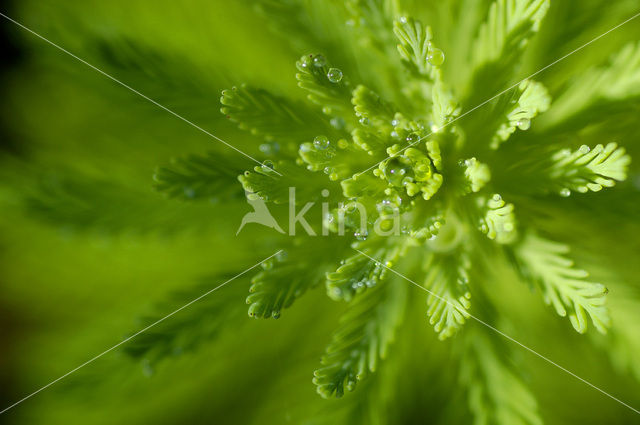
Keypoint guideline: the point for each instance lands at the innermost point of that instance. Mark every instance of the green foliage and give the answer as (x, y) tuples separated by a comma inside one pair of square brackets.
[(269, 116), (198, 177), (72, 202), (366, 330), (286, 278), (544, 263), (499, 222), (333, 97), (589, 169), (497, 395), (359, 272), (449, 297), (532, 99), (190, 328), (382, 122), (500, 43), (601, 86), (415, 46)]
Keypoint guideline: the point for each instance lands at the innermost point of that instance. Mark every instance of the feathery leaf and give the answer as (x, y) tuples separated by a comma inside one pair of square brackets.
[(588, 169), (197, 177), (448, 303), (365, 333), (544, 263), (497, 395)]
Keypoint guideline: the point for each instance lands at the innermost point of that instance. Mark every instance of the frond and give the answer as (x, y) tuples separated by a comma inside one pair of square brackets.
[(188, 329), (169, 77), (532, 99), (71, 201), (622, 344), (416, 48), (286, 277), (476, 174), (327, 86), (445, 107), (264, 183), (359, 272), (544, 263), (500, 43), (497, 395), (362, 339), (615, 82), (306, 24), (448, 303), (369, 106), (588, 169), (499, 221), (271, 117), (198, 177)]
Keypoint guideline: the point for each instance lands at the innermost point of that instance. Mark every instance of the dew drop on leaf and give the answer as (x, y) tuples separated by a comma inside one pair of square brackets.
[(565, 193), (412, 138), (319, 61), (361, 235), (524, 124), (321, 142), (435, 57), (334, 75)]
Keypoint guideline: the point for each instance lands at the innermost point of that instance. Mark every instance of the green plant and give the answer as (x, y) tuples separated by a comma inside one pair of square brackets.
[(491, 186)]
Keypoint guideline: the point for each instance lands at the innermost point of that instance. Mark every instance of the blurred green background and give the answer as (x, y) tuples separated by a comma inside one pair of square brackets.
[(75, 283)]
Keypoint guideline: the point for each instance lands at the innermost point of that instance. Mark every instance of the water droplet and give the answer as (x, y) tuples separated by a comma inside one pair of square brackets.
[(584, 149), (275, 314), (403, 19), (395, 122), (435, 57), (321, 142), (497, 197), (565, 193), (412, 138), (524, 124), (364, 121), (334, 75), (395, 172), (267, 165), (282, 256), (319, 61), (325, 193), (361, 235)]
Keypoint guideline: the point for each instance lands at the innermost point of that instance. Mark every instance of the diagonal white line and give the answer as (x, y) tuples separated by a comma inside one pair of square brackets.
[(531, 350), (137, 333), (134, 91), (504, 91)]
